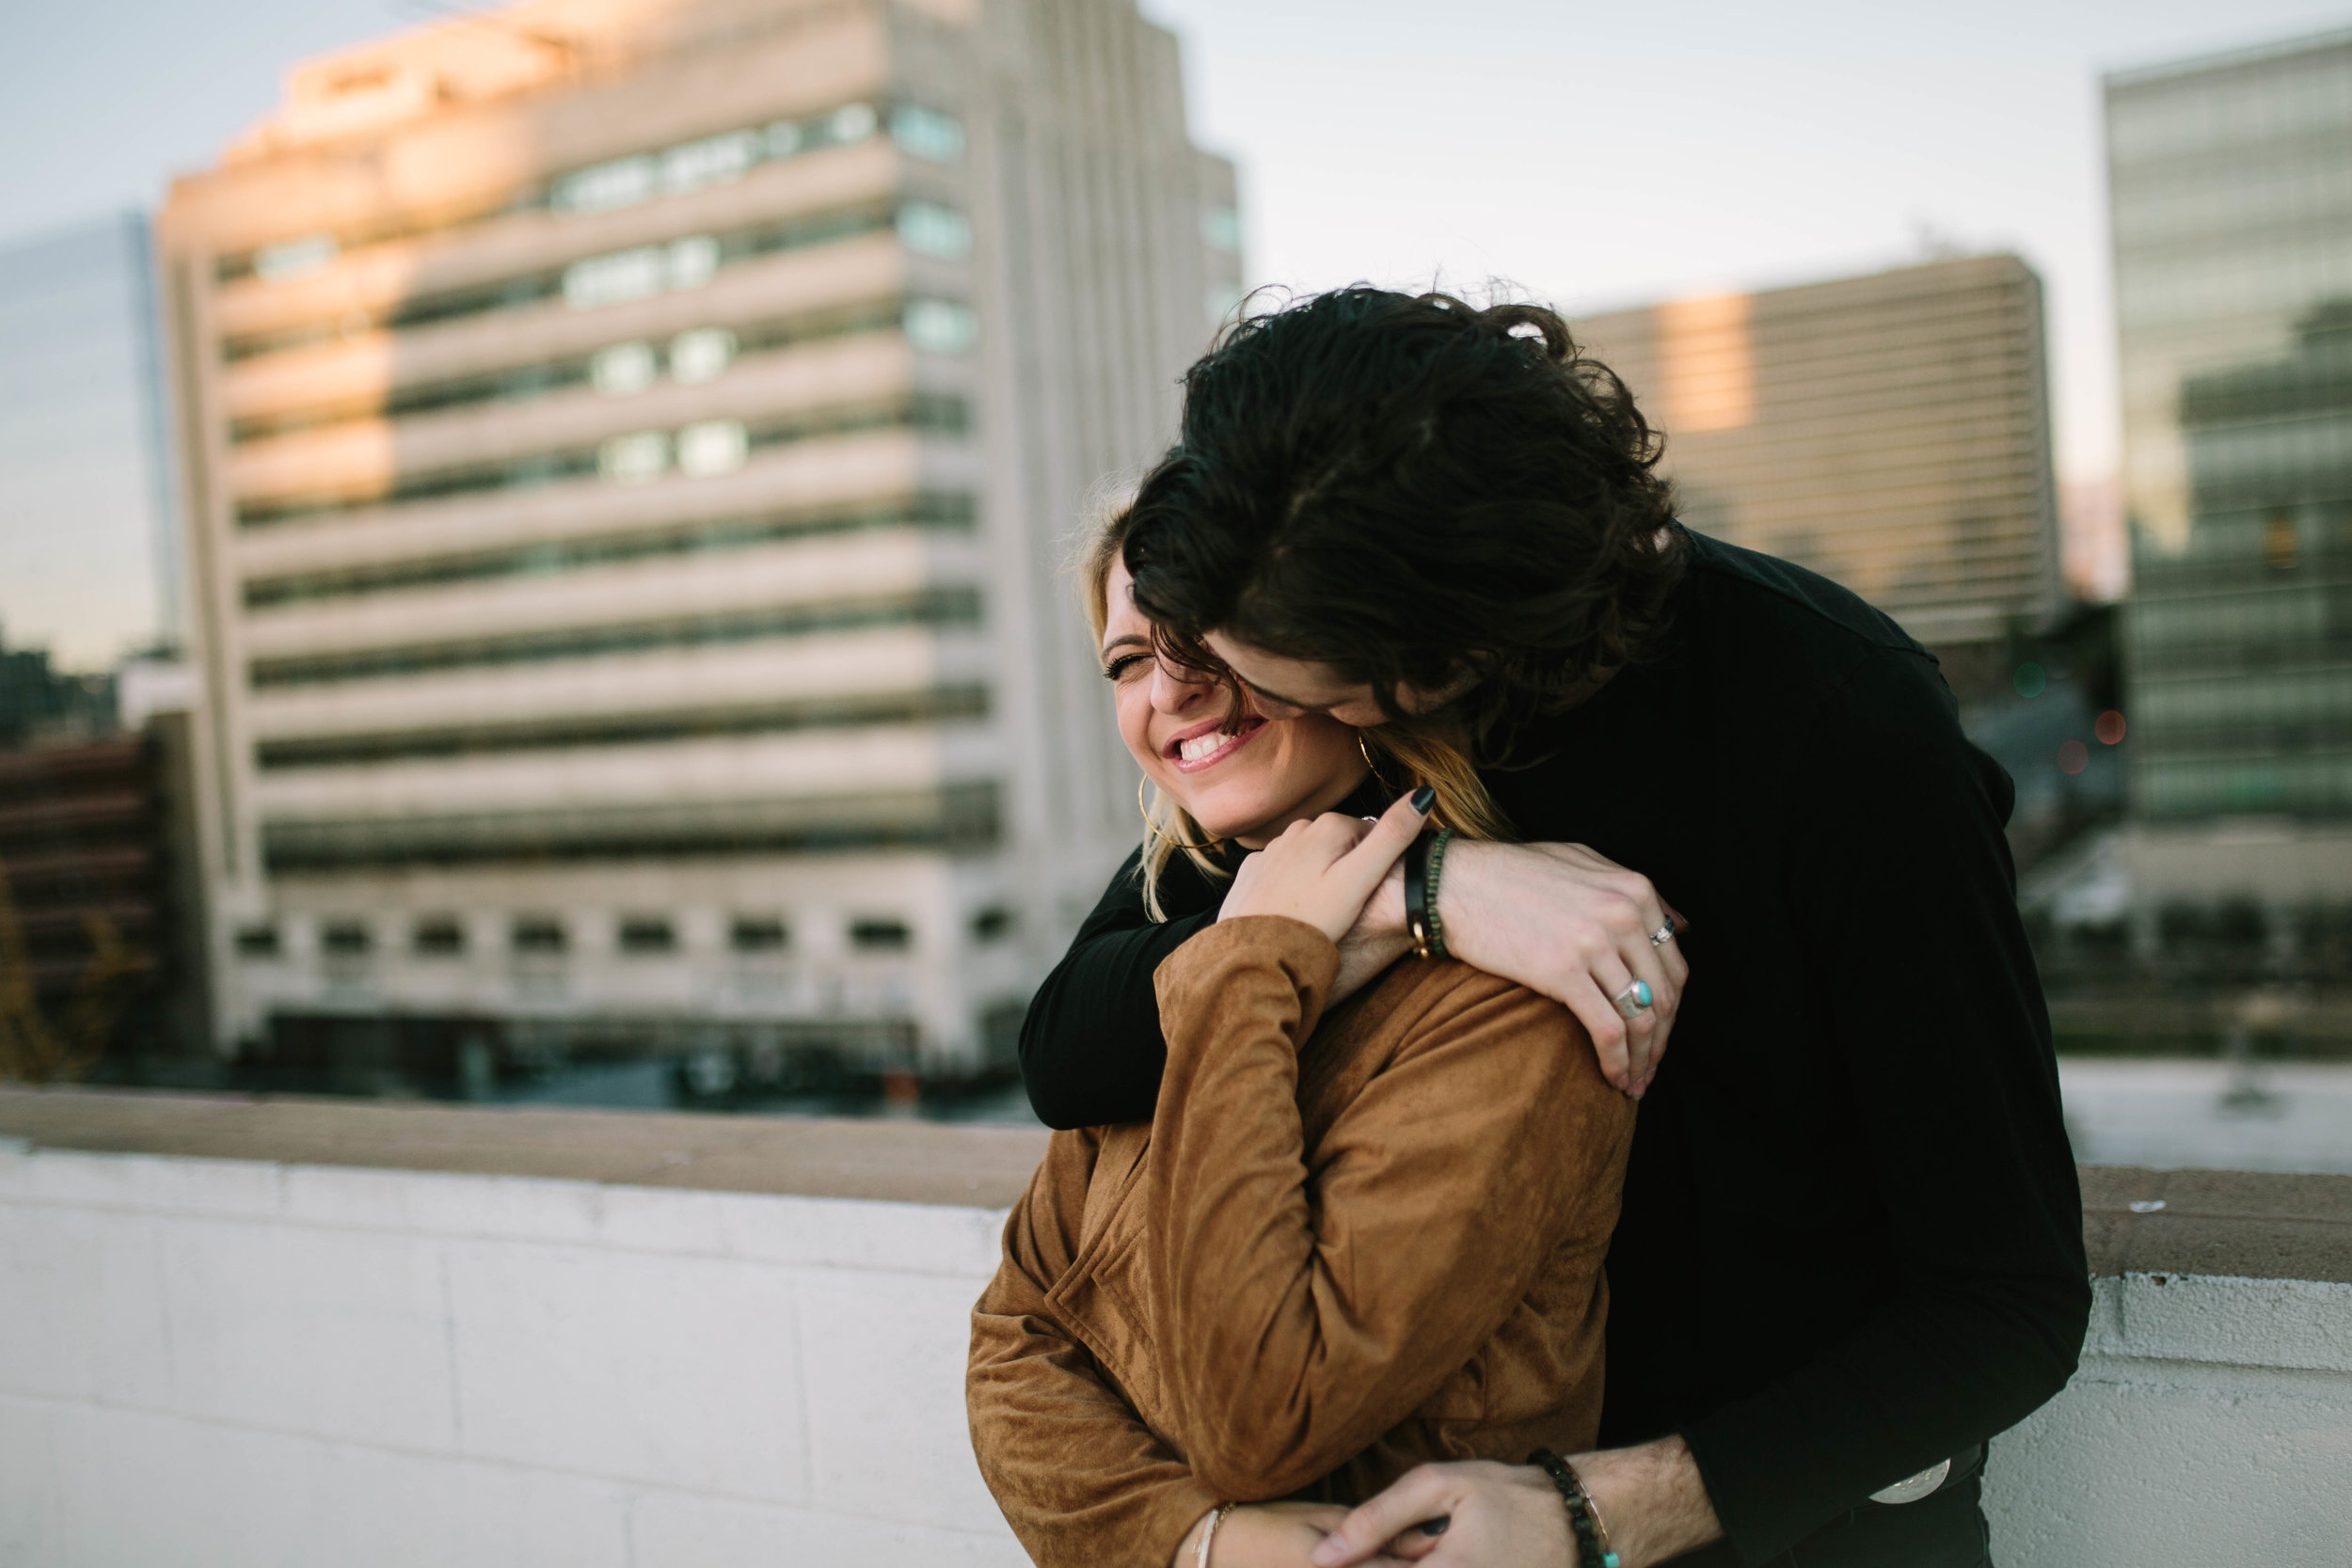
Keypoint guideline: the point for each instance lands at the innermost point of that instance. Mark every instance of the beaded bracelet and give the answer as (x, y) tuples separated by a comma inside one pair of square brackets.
[(1592, 1545), (1429, 898)]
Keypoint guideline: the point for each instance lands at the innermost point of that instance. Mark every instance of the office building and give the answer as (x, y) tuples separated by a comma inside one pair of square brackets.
[(85, 514), (2231, 178), (1890, 432), (631, 446)]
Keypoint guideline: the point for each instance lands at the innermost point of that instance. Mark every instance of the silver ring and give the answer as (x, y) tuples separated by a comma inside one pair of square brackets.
[(1633, 1001), (1664, 935)]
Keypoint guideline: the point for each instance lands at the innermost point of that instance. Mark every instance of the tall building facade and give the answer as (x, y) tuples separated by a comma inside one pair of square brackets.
[(631, 446), (2230, 181), (1891, 432), (86, 487)]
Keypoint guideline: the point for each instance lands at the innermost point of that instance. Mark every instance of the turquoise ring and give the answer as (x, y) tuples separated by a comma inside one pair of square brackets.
[(1634, 999)]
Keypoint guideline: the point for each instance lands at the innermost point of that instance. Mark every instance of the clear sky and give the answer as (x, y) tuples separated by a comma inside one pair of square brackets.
[(1596, 154)]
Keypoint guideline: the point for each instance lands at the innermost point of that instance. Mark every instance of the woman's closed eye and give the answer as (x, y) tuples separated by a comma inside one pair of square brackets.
[(1125, 665)]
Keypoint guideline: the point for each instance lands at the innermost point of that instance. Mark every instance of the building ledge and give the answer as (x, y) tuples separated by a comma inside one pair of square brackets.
[(889, 1161), (2217, 1223)]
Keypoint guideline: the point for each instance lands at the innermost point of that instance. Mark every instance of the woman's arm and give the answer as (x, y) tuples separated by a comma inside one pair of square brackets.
[(1080, 1479), (1303, 1314)]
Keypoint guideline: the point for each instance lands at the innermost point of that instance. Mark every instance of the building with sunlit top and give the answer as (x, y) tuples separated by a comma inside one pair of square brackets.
[(629, 450)]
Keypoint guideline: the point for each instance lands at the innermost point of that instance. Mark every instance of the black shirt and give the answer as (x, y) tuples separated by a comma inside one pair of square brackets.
[(1851, 1241)]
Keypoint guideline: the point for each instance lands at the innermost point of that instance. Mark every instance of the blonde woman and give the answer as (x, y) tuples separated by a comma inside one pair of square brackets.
[(1351, 1238)]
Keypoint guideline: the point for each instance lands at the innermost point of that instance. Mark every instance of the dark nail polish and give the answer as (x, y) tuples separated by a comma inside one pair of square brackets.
[(1423, 799), (1437, 1526)]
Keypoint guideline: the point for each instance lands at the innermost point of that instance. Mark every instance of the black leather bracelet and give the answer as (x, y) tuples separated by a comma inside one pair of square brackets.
[(1592, 1547), (1429, 893), (1417, 896)]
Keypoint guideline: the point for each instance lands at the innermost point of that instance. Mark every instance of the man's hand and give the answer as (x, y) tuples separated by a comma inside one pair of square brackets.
[(1510, 1516), (1266, 1535), (1575, 926)]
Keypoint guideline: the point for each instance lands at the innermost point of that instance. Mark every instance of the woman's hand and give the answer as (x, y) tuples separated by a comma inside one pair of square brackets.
[(1323, 872), (1267, 1535)]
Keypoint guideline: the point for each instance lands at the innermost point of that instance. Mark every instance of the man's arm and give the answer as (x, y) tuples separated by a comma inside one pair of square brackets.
[(1554, 918), (1092, 1053), (1902, 893)]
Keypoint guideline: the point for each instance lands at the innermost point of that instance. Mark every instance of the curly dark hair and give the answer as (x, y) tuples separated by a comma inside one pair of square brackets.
[(1413, 489)]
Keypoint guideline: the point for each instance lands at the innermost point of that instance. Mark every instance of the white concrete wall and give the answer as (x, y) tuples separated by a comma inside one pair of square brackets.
[(231, 1364), (2211, 1422), (235, 1364)]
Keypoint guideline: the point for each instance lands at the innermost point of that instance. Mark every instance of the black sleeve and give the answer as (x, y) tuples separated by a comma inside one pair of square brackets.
[(1092, 1052), (1903, 896)]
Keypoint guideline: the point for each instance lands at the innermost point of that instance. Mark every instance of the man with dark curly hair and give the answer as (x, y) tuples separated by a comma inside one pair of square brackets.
[(1851, 1247)]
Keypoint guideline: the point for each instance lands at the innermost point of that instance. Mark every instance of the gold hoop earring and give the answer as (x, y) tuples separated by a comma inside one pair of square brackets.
[(1366, 751), (1153, 828)]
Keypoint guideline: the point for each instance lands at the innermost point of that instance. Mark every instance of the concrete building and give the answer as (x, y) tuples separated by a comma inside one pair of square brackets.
[(630, 448), (1891, 432), (2230, 181), (86, 509)]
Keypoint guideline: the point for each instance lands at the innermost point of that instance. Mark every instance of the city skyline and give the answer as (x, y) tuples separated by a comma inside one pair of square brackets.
[(1744, 152)]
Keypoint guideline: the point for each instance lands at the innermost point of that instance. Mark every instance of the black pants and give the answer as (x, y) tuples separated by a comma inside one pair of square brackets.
[(1946, 1530)]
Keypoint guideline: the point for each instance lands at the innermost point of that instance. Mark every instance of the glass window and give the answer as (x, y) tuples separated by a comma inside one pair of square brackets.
[(623, 368), (927, 229), (882, 935), (258, 942), (701, 354), (438, 937), (991, 925), (633, 459), (623, 182), (647, 934), (759, 934), (692, 260), (345, 938), (295, 257), (941, 326), (852, 124), (540, 934), (927, 134), (712, 447), (1220, 229), (713, 160), (624, 276)]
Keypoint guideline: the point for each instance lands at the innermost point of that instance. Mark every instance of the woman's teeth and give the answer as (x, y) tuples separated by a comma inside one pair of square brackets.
[(1204, 746)]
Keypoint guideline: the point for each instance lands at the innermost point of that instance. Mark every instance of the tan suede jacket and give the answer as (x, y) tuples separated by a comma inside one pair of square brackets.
[(1334, 1253)]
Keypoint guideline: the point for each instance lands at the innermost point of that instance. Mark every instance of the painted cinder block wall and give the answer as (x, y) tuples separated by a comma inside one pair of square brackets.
[(247, 1363)]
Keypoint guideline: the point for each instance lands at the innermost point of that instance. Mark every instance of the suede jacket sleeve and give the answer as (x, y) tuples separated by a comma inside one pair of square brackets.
[(1080, 1477), (1306, 1304)]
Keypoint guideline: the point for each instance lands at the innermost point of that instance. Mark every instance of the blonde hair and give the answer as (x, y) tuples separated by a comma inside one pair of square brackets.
[(1423, 757)]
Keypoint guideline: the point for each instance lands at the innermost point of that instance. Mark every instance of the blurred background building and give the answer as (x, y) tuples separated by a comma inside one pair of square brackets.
[(630, 451), (2232, 190), (85, 486), (1892, 432)]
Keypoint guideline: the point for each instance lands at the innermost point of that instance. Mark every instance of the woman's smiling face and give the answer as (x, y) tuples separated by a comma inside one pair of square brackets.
[(1247, 786)]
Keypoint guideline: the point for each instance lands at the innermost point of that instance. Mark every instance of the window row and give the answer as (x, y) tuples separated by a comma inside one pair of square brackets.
[(933, 706), (593, 282), (698, 355), (930, 134), (938, 608), (941, 510), (705, 448), (548, 935)]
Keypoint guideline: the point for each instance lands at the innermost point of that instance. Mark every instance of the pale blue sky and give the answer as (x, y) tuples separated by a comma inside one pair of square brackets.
[(1596, 154)]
